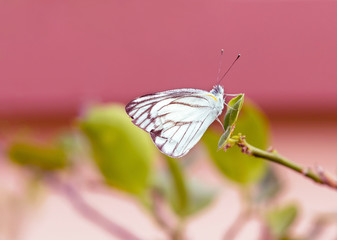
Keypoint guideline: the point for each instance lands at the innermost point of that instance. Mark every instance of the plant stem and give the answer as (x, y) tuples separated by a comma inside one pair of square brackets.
[(319, 177), (274, 157), (238, 224), (178, 233), (158, 214), (88, 211)]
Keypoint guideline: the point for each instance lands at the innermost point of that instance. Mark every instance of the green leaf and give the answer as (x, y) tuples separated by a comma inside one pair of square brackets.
[(280, 220), (231, 116), (268, 187), (123, 153), (235, 165), (200, 196), (47, 158), (186, 196), (224, 138), (233, 110)]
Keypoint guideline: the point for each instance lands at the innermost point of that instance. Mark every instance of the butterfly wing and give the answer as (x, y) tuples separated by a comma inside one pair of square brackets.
[(175, 119)]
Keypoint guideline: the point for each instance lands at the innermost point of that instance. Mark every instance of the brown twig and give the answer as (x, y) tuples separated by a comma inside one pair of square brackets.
[(237, 225), (158, 214), (319, 176), (174, 232), (87, 211), (319, 226)]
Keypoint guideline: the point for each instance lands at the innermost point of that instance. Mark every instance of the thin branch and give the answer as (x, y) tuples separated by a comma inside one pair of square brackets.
[(319, 226), (158, 214), (88, 211), (174, 231), (237, 225), (319, 176), (178, 233)]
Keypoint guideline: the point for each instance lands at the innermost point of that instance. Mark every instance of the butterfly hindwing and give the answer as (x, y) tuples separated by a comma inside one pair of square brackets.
[(175, 119)]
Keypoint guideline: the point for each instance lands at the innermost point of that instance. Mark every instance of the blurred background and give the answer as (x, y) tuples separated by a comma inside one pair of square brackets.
[(66, 65)]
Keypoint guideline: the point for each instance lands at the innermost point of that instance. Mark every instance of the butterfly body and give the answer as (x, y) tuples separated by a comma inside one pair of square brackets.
[(176, 119)]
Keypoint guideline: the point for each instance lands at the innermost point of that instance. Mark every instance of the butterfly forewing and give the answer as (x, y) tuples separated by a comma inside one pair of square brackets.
[(175, 119)]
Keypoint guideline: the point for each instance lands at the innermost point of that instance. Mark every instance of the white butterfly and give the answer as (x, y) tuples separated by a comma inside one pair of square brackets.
[(177, 119)]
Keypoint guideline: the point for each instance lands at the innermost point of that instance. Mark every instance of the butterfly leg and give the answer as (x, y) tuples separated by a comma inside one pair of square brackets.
[(220, 122)]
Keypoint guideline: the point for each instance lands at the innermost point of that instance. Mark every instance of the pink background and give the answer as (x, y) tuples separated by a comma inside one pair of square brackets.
[(57, 55)]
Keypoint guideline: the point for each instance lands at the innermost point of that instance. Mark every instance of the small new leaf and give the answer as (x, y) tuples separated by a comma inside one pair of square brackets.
[(234, 108), (224, 138)]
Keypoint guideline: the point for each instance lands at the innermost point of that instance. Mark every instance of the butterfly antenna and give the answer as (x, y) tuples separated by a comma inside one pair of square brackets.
[(220, 63), (229, 69)]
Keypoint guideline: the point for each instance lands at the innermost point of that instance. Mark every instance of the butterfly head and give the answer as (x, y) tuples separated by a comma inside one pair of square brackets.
[(218, 95), (217, 91)]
